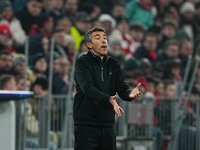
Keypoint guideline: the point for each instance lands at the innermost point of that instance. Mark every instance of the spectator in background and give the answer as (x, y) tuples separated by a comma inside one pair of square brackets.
[(64, 24), (170, 51), (55, 9), (19, 65), (107, 22), (172, 70), (115, 50), (188, 26), (59, 38), (121, 32), (185, 50), (168, 31), (39, 65), (70, 8), (83, 48), (38, 43), (175, 8), (163, 10), (148, 48), (7, 82), (136, 32), (69, 46), (146, 67), (6, 62), (8, 17), (140, 12), (130, 68), (118, 10), (44, 25), (82, 23), (28, 15), (5, 38), (20, 83)]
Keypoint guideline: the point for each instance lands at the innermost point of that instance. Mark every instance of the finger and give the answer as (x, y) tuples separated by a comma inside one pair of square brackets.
[(121, 109), (138, 86), (114, 97)]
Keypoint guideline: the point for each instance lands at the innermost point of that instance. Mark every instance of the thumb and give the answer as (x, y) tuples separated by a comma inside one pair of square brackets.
[(138, 86)]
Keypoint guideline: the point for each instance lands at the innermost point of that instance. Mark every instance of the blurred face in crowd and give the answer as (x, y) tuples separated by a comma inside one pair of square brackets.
[(20, 84), (48, 27), (56, 65), (56, 4), (137, 35), (4, 40), (118, 10), (34, 8), (7, 13), (150, 43), (98, 44), (41, 65), (165, 2), (45, 44), (123, 26), (64, 66), (186, 49), (160, 88), (168, 31), (107, 25), (20, 68), (59, 37), (64, 24), (170, 90), (96, 11), (11, 85), (71, 6), (6, 62), (83, 26), (172, 51)]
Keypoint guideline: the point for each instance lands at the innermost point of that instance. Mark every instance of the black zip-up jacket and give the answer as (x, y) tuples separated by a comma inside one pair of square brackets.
[(96, 82)]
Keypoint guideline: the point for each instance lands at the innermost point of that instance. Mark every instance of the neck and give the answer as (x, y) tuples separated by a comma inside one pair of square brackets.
[(97, 54)]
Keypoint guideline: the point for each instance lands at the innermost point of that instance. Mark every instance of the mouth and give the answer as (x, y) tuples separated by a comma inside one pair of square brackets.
[(103, 46)]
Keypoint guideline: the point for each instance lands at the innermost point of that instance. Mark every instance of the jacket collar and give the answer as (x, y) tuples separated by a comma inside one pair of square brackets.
[(97, 58)]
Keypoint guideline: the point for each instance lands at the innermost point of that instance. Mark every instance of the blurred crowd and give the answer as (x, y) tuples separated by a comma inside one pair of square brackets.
[(151, 39)]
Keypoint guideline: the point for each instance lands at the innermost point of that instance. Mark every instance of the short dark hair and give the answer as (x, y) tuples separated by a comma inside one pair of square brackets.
[(41, 81), (170, 42), (5, 52), (4, 79), (88, 35)]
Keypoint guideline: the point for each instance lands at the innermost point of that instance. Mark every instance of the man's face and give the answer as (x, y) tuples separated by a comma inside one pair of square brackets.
[(34, 8), (6, 62), (172, 51), (4, 39), (170, 90), (99, 43), (150, 43), (71, 6)]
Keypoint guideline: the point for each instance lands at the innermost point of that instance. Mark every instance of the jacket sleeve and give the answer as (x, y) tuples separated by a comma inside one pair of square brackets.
[(84, 80), (123, 89)]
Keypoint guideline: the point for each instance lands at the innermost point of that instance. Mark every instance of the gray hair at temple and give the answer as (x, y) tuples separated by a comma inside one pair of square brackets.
[(88, 35)]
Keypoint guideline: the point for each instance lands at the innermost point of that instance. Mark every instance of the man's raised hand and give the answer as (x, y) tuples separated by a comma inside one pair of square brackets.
[(135, 93)]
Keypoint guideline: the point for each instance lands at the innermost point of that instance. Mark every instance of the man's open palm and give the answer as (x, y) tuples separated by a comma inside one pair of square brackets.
[(136, 92)]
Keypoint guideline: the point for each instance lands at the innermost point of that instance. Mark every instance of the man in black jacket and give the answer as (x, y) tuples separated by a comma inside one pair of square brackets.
[(98, 78)]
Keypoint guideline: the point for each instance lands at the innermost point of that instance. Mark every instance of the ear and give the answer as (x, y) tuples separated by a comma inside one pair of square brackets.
[(89, 45)]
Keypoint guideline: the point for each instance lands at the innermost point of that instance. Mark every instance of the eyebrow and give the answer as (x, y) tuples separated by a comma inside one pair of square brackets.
[(99, 35)]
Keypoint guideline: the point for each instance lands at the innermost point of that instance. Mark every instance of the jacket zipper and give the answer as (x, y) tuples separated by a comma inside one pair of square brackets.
[(102, 78)]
